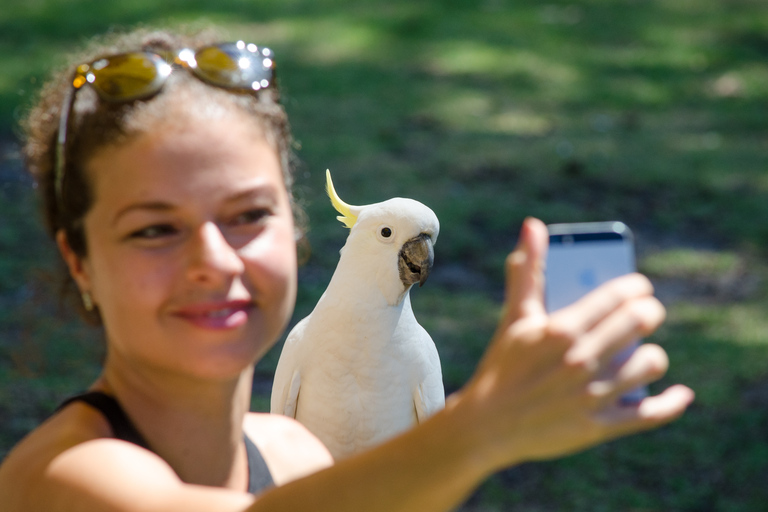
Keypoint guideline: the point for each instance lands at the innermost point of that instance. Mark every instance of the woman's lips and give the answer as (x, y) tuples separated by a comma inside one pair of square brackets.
[(218, 315)]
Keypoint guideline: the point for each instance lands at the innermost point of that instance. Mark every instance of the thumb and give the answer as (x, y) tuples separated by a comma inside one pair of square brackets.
[(525, 273)]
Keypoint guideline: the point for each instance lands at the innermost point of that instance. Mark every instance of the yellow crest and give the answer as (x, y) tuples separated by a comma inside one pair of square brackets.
[(347, 217)]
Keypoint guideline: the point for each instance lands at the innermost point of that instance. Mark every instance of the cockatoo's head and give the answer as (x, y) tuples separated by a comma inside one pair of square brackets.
[(394, 239)]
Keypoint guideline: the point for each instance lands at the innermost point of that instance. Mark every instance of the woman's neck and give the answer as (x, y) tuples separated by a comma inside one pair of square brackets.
[(195, 425)]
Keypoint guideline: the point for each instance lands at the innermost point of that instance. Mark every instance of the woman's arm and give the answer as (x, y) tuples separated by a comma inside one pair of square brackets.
[(541, 391)]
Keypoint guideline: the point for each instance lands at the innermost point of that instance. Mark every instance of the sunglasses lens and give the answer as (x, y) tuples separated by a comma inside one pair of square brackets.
[(128, 76), (236, 65)]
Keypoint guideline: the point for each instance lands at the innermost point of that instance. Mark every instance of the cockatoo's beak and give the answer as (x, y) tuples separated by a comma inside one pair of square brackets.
[(416, 259)]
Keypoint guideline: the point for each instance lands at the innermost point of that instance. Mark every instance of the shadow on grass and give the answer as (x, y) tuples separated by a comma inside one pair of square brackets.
[(713, 459), (649, 112)]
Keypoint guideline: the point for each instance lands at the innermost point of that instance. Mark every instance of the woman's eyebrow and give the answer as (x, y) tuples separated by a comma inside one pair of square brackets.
[(261, 190), (158, 206)]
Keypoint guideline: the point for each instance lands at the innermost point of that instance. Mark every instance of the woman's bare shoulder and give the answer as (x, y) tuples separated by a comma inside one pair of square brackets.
[(70, 462), (73, 425), (30, 474), (23, 470), (290, 450)]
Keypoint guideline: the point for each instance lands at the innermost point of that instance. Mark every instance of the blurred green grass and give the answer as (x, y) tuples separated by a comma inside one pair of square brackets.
[(646, 111)]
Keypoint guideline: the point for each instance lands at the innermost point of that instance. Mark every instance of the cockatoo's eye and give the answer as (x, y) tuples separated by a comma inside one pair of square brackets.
[(386, 234)]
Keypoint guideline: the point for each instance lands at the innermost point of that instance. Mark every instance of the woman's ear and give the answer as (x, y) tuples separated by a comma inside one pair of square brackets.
[(75, 263)]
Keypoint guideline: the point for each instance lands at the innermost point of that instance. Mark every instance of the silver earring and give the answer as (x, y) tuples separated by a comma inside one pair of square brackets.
[(87, 301)]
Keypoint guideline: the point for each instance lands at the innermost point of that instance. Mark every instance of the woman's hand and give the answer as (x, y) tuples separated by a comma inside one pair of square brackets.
[(546, 386)]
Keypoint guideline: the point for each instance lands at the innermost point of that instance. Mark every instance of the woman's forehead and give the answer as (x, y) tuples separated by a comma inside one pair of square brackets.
[(175, 158)]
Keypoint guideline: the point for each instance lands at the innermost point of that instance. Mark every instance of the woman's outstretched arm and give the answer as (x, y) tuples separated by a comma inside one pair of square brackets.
[(541, 391)]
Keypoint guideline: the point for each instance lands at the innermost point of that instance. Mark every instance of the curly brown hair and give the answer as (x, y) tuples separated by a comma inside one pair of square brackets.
[(94, 124)]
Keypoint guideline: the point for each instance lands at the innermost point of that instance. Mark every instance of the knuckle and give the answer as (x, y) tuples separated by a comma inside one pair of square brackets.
[(637, 313), (515, 260), (656, 358), (563, 330), (642, 280), (527, 331), (596, 392), (580, 365), (646, 314), (658, 307), (631, 285), (641, 283)]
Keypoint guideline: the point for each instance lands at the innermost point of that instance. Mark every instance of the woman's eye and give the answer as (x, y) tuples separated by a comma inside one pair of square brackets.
[(251, 216), (154, 231)]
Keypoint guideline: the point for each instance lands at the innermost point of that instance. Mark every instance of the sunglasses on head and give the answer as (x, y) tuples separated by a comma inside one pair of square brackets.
[(239, 66)]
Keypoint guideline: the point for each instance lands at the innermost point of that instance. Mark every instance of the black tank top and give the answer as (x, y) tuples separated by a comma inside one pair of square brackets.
[(259, 477)]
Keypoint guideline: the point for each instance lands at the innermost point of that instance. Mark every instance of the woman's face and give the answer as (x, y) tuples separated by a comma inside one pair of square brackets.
[(191, 251)]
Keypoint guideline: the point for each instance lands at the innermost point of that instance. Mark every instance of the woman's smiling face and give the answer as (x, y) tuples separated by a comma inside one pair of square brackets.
[(191, 246)]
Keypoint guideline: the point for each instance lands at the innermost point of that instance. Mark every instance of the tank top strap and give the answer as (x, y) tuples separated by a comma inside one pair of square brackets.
[(121, 425), (259, 476)]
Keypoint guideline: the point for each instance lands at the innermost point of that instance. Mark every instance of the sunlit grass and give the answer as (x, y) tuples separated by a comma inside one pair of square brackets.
[(692, 263), (648, 112)]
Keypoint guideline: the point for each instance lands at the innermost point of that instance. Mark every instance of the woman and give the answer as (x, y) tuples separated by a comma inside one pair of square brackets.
[(168, 194)]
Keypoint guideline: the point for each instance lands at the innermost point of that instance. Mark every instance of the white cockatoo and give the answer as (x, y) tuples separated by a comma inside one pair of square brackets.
[(360, 369)]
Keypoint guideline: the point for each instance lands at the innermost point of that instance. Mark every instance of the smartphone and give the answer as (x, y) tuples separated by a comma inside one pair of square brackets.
[(581, 257)]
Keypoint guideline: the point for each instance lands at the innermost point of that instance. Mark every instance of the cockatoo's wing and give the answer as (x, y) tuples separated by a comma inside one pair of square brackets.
[(428, 394), (430, 397), (287, 383)]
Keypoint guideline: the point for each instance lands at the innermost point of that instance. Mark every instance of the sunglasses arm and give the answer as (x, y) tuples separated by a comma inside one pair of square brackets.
[(61, 142)]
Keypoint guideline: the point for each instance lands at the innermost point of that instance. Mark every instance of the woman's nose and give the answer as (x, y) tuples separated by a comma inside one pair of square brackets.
[(212, 259)]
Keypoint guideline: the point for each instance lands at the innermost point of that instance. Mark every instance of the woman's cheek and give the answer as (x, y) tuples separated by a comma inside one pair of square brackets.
[(273, 255), (138, 280)]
